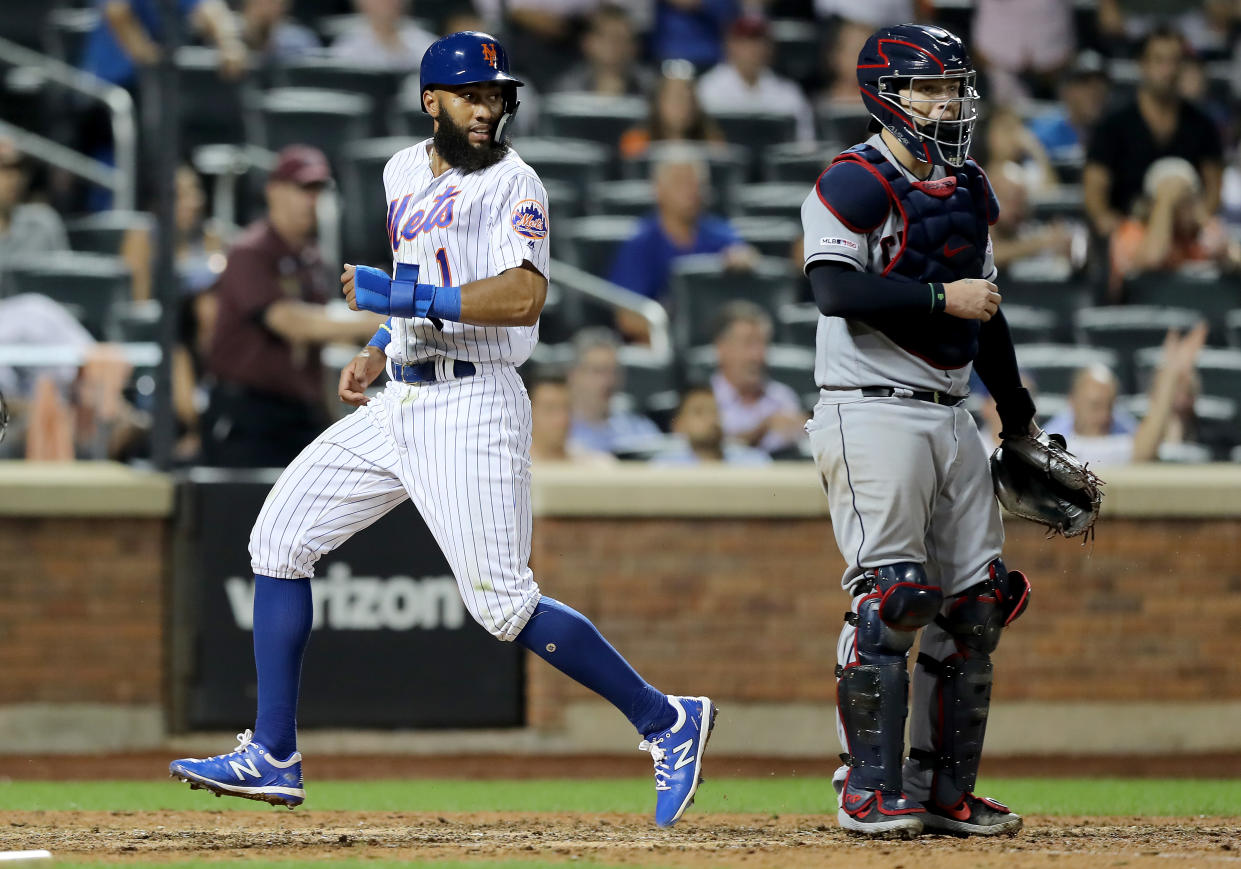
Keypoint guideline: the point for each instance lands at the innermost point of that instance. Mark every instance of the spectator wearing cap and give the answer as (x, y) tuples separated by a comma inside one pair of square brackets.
[(383, 38), (1158, 123), (1171, 228), (25, 227), (268, 399), (1067, 129), (754, 409), (746, 82)]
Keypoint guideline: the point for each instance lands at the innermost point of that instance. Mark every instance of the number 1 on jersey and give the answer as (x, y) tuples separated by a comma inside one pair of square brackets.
[(441, 257)]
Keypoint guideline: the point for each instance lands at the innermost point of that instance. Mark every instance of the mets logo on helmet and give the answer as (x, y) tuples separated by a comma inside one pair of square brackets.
[(529, 220), (489, 53)]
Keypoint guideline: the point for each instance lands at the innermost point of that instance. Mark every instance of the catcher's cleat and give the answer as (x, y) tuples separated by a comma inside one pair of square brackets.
[(249, 771), (877, 814), (677, 753), (972, 816)]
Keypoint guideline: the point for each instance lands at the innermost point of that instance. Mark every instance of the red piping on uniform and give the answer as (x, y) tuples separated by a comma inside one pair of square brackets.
[(900, 251), (838, 215)]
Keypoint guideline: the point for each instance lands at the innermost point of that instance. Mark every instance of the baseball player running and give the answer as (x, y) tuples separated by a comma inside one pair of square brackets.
[(468, 224), (899, 257)]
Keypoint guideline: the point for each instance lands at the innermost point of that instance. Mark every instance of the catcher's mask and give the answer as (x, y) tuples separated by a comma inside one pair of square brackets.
[(895, 64)]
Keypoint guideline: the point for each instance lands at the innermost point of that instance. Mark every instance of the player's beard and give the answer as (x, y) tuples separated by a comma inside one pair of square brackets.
[(453, 144)]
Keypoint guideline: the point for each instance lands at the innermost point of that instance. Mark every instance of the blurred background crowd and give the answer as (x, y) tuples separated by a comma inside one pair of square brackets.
[(677, 140)]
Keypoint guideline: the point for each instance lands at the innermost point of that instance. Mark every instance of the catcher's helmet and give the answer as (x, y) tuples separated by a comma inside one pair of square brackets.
[(470, 57), (891, 58)]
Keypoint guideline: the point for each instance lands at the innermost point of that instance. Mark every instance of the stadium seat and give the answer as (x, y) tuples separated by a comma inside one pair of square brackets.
[(772, 199), (135, 322), (1029, 324), (595, 118), (756, 132), (103, 232), (1128, 329), (700, 285), (1232, 322), (380, 86), (592, 242), (1218, 369), (1064, 202), (1063, 298), (727, 164), (771, 236), (625, 198), (799, 162), (646, 375), (328, 120), (1218, 431), (580, 163), (87, 282), (797, 324), (65, 34), (211, 109), (796, 49), (1052, 366), (564, 200), (843, 123), (364, 213), (413, 121), (1212, 297)]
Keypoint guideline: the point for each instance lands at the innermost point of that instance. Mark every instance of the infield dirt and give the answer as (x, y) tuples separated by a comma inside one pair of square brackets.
[(778, 842)]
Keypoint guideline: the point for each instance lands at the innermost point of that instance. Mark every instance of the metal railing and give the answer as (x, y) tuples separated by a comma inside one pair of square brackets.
[(121, 178), (570, 277)]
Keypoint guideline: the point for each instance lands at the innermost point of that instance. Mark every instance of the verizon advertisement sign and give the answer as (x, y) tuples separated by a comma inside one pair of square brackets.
[(392, 645)]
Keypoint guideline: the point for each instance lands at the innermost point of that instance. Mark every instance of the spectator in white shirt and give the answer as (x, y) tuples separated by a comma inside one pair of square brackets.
[(754, 409), (745, 81), (384, 38)]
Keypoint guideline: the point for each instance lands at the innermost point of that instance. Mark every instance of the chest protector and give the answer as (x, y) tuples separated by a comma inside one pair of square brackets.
[(944, 240)]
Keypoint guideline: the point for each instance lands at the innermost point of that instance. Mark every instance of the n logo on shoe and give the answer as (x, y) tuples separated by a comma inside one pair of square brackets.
[(683, 754), (238, 768)]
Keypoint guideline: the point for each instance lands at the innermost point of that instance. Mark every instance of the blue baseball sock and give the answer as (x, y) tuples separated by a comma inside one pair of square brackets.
[(566, 639), (282, 615)]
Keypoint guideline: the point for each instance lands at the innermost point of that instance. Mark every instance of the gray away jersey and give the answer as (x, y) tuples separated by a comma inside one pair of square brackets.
[(850, 354), (459, 228)]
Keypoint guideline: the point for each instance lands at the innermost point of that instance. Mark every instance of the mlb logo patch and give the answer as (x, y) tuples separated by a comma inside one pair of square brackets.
[(529, 219), (838, 242)]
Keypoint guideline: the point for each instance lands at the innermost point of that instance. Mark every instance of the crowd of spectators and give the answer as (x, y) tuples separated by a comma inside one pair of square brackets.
[(1109, 134)]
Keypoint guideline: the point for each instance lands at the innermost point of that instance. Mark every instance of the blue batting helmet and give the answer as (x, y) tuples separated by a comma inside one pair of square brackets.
[(894, 56), (470, 57)]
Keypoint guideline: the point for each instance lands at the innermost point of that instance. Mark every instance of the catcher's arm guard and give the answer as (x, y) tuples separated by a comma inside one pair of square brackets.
[(1036, 478)]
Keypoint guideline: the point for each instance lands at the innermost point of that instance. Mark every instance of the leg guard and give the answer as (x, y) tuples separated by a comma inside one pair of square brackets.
[(872, 691), (973, 621)]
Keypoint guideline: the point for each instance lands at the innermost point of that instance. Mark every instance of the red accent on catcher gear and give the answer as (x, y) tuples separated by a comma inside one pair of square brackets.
[(888, 63), (941, 189)]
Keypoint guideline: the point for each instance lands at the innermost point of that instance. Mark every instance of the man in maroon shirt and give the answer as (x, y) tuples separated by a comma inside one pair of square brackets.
[(268, 399)]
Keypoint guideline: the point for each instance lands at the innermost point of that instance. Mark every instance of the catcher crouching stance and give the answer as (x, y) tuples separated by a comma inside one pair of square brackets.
[(898, 253)]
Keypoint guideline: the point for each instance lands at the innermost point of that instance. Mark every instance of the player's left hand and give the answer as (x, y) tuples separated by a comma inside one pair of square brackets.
[(346, 286)]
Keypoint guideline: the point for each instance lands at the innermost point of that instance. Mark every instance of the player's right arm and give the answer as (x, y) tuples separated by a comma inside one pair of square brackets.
[(841, 217)]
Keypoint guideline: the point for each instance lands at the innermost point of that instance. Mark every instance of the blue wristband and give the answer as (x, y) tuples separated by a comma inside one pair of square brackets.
[(445, 303), (383, 336)]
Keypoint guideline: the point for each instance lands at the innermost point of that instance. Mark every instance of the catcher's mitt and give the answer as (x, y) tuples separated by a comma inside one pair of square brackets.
[(1036, 478)]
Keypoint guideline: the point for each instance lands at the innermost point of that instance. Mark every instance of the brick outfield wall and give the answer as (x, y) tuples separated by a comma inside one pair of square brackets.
[(744, 610), (82, 610), (749, 610)]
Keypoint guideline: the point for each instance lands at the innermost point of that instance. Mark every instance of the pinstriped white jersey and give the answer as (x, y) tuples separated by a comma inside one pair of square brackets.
[(459, 228)]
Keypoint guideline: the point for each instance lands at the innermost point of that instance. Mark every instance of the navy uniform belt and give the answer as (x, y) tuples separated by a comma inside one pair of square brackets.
[(920, 395), (431, 371)]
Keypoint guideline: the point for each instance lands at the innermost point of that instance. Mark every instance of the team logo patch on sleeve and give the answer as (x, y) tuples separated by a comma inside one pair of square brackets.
[(529, 219)]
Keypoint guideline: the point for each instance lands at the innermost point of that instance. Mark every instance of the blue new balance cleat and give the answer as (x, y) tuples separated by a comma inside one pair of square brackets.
[(249, 771), (677, 753)]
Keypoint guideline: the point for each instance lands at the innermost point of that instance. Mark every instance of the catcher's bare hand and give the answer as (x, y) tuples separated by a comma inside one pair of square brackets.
[(971, 299), (346, 286), (359, 374)]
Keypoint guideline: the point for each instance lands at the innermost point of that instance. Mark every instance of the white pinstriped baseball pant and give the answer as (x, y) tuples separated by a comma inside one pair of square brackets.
[(460, 449)]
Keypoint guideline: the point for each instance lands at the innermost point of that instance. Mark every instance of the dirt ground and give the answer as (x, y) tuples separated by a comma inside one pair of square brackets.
[(760, 842)]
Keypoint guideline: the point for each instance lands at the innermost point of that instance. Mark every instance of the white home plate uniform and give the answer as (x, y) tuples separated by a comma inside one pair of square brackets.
[(906, 480), (458, 447)]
